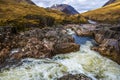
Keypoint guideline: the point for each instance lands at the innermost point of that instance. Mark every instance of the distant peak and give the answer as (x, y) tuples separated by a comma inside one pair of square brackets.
[(64, 8)]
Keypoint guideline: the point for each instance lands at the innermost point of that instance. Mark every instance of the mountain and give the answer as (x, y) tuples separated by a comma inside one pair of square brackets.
[(64, 8), (107, 14)]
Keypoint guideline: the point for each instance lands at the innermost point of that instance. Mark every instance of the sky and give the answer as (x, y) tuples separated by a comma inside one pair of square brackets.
[(80, 5)]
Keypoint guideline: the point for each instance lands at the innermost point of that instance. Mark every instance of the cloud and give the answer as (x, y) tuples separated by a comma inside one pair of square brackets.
[(79, 5)]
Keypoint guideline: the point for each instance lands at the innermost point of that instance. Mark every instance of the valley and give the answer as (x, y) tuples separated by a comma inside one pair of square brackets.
[(58, 43)]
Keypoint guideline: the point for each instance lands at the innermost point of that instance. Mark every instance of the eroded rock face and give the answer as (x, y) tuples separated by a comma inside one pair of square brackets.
[(75, 77)]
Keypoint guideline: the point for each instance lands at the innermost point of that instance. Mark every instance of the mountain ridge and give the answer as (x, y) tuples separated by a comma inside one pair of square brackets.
[(109, 2), (68, 9)]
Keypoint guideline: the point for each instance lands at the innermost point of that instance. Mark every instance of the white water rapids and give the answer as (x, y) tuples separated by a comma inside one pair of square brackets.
[(84, 61)]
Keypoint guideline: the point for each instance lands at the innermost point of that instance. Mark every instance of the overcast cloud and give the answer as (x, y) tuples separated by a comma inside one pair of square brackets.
[(79, 5)]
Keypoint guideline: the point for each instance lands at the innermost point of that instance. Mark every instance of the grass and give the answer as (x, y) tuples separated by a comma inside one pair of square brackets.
[(107, 14), (23, 14)]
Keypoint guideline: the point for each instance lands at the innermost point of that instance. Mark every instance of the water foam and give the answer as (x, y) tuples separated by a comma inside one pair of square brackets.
[(84, 61)]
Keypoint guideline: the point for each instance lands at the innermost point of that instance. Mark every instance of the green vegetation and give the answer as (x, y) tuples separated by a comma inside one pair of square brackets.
[(107, 14), (23, 15)]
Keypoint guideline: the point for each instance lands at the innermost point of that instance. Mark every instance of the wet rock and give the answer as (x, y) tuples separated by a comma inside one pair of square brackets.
[(4, 55), (39, 43), (109, 48), (106, 35), (75, 77), (33, 49), (66, 47), (109, 44), (84, 33), (82, 30)]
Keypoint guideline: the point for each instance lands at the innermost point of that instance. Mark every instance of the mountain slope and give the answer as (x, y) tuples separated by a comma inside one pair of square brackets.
[(23, 14), (110, 2), (107, 14), (18, 1), (64, 8)]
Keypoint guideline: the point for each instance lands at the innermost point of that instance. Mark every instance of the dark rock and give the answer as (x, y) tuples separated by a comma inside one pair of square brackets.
[(75, 77)]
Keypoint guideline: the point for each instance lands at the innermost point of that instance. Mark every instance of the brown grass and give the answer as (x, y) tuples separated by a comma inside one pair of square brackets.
[(109, 14), (14, 14)]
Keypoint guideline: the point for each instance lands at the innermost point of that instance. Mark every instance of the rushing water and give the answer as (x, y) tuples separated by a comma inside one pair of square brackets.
[(84, 61)]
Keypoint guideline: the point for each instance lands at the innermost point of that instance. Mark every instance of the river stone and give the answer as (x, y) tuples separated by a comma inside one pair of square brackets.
[(75, 77), (66, 47)]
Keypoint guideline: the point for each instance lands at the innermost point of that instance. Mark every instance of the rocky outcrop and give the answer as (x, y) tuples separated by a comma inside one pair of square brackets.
[(109, 43), (82, 30), (36, 43), (64, 8), (75, 77), (107, 37)]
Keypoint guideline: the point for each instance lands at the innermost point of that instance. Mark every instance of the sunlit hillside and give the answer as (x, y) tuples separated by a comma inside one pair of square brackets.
[(22, 14), (109, 13)]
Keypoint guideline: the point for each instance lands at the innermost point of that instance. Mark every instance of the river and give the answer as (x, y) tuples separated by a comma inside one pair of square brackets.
[(85, 61)]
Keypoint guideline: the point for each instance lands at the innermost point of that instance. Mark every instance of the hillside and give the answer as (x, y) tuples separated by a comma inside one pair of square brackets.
[(107, 14), (22, 14)]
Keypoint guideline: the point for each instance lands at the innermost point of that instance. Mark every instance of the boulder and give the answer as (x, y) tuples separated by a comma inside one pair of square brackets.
[(84, 33), (66, 47)]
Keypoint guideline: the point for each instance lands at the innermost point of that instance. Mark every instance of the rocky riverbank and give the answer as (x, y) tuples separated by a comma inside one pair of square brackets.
[(36, 43), (107, 37)]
